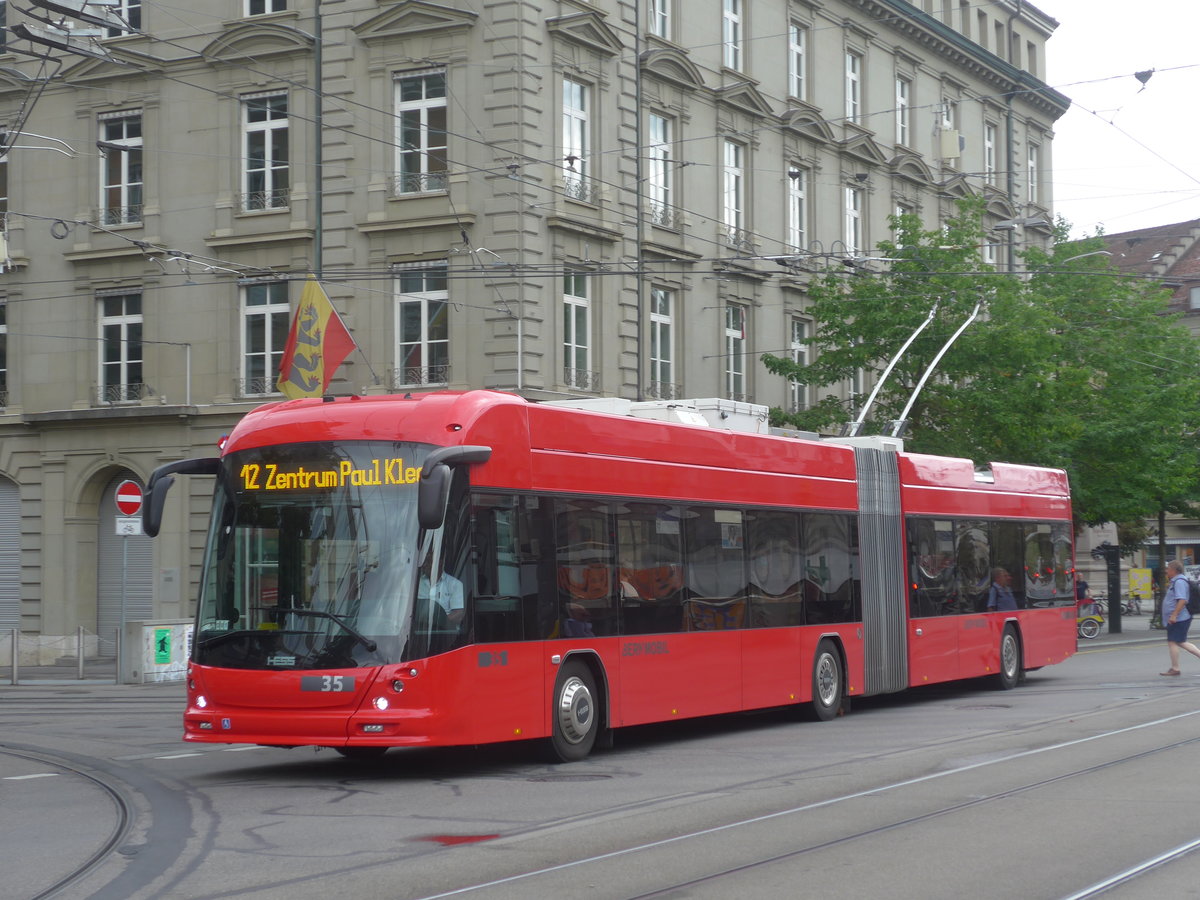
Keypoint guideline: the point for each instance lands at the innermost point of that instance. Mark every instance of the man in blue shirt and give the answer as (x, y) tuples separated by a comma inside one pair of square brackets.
[(1000, 597), (1176, 616)]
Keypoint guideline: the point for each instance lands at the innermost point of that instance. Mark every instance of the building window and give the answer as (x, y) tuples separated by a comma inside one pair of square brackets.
[(949, 113), (660, 18), (265, 321), (261, 7), (731, 33), (1193, 299), (421, 132), (422, 326), (577, 333), (576, 137), (853, 87), (1033, 172), (265, 183), (660, 175), (733, 191), (989, 153), (121, 169), (797, 392), (735, 352), (990, 252), (662, 344), (128, 11), (852, 233), (797, 49), (903, 111), (120, 375), (797, 208)]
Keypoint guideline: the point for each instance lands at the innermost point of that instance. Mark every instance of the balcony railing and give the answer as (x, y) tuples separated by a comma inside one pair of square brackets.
[(577, 187), (738, 239), (664, 216), (415, 376), (109, 394), (419, 183), (582, 379), (3, 399), (120, 215), (256, 201), (663, 390), (257, 387)]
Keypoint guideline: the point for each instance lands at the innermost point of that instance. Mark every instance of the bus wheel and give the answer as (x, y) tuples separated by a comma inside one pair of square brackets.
[(826, 682), (1010, 660), (361, 752), (575, 715)]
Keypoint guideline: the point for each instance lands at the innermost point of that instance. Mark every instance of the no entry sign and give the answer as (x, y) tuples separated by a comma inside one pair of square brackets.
[(129, 498)]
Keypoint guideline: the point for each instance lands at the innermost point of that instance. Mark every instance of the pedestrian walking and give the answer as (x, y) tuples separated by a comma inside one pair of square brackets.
[(1176, 616)]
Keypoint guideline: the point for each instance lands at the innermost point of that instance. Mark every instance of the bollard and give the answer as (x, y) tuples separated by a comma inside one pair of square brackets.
[(16, 657), (79, 652), (117, 679)]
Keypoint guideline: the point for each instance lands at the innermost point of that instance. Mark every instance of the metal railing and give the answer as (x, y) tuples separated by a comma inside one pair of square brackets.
[(256, 387), (256, 201), (120, 215), (581, 379), (418, 376), (664, 216), (70, 657), (662, 390), (419, 183), (109, 394), (577, 187)]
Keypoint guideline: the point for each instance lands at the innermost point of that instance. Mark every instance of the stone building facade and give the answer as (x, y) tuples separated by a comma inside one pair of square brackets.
[(554, 198)]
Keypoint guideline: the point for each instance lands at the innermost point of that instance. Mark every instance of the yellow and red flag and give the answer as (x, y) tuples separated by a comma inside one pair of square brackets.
[(316, 345)]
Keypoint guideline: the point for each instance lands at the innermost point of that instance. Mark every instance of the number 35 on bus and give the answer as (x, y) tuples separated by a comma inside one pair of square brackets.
[(464, 568)]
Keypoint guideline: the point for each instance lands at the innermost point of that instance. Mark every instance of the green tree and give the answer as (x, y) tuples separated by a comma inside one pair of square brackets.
[(1070, 364)]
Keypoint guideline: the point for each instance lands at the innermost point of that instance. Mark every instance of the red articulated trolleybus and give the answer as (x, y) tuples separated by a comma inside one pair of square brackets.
[(468, 567)]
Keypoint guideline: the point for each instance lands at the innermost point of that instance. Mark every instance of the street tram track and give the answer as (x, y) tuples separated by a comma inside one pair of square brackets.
[(122, 818), (715, 877)]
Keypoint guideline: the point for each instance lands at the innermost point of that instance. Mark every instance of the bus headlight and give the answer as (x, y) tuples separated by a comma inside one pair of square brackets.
[(381, 703)]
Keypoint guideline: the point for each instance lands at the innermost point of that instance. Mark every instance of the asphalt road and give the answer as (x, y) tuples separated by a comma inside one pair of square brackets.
[(1082, 776)]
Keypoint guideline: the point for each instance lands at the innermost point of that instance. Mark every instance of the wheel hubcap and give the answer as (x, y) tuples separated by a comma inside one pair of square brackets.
[(1010, 656), (575, 709), (826, 680)]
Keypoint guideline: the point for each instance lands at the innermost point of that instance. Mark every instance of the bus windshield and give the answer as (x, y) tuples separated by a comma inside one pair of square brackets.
[(313, 557)]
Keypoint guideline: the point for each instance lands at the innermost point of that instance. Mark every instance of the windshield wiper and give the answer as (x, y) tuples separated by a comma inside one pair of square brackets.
[(320, 613)]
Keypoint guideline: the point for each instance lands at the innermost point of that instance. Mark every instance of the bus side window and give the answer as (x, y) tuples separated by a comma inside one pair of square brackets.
[(831, 576), (931, 567), (586, 586), (1008, 550), (649, 567), (715, 573), (773, 544), (973, 559), (498, 601)]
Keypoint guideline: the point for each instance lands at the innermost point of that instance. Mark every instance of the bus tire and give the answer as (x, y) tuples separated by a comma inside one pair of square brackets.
[(1009, 675), (574, 715), (826, 682)]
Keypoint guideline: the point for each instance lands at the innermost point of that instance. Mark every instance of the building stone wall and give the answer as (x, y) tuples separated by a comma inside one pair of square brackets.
[(510, 216)]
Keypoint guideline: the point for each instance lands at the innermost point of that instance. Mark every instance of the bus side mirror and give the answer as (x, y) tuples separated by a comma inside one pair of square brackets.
[(160, 482), (433, 490), (433, 494)]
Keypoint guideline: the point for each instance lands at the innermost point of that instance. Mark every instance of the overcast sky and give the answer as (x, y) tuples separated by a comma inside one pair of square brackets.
[(1126, 157)]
